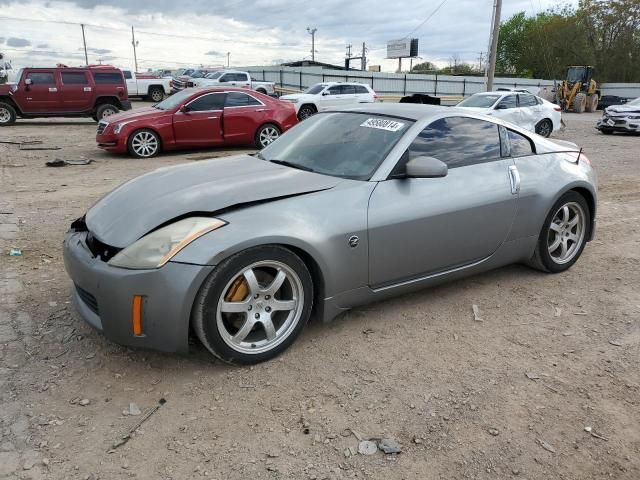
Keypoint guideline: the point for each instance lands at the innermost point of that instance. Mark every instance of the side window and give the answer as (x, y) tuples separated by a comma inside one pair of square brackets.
[(508, 102), (520, 145), (458, 141), (104, 78), (212, 101), (227, 77), (41, 78), (127, 74), (242, 77), (238, 99), (528, 101), (361, 89), (348, 90), (74, 78), (335, 90)]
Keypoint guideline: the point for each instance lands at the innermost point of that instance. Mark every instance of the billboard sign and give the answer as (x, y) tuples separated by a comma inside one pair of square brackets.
[(406, 47)]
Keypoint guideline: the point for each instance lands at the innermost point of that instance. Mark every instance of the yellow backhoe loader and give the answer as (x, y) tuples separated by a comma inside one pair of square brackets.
[(579, 92)]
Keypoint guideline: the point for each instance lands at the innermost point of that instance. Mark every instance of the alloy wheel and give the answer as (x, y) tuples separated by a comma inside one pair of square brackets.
[(544, 128), (156, 95), (305, 112), (5, 115), (268, 135), (260, 307), (144, 144), (108, 112), (566, 232)]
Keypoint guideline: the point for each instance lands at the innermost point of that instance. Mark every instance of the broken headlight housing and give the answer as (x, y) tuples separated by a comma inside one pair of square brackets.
[(160, 246)]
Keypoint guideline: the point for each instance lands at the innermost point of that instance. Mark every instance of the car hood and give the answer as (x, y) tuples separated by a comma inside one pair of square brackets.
[(156, 198), (293, 96), (622, 109), (137, 114), (480, 110)]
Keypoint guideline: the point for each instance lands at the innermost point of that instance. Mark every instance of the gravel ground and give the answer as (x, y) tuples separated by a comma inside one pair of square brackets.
[(512, 396)]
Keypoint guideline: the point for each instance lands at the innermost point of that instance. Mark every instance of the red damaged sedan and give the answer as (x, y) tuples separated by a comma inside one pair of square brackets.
[(202, 117)]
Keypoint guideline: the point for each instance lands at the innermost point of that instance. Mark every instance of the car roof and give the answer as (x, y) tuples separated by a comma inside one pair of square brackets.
[(411, 111)]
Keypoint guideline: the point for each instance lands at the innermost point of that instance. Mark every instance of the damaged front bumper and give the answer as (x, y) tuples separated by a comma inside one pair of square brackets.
[(619, 123)]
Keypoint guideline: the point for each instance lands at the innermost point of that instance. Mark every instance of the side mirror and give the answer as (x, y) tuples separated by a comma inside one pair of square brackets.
[(324, 94), (426, 167), (28, 81), (184, 109), (223, 80)]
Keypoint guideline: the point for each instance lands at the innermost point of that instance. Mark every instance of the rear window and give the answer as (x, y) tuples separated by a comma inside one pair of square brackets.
[(74, 78), (361, 89), (520, 145), (104, 78)]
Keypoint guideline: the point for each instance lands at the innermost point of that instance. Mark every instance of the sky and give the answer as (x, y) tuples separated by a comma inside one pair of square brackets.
[(173, 33)]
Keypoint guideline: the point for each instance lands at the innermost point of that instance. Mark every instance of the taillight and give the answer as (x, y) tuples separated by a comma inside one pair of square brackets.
[(557, 108)]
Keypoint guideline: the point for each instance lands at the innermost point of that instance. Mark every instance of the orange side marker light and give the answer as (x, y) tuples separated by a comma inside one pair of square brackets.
[(136, 315)]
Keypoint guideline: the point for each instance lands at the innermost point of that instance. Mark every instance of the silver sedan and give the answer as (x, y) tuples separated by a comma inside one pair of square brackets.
[(347, 208)]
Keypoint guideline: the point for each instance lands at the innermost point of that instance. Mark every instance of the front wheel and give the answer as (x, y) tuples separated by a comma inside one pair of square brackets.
[(564, 234), (544, 128), (143, 144), (7, 114), (306, 111), (266, 135), (253, 305)]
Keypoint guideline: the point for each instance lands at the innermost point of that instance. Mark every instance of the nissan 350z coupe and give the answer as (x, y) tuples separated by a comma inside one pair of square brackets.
[(347, 208)]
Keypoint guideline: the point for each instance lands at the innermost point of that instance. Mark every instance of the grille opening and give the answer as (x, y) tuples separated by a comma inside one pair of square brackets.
[(88, 299)]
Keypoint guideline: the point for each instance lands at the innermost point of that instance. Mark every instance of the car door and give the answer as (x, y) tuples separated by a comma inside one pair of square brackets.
[(132, 84), (348, 97), (199, 123), (507, 109), (243, 114), (75, 92), (423, 226), (243, 80), (40, 92), (530, 112), (330, 98)]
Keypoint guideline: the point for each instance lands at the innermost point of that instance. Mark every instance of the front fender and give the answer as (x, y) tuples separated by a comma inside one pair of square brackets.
[(319, 224)]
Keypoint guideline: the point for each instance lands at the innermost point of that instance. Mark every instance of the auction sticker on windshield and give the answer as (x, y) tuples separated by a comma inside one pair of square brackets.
[(382, 124)]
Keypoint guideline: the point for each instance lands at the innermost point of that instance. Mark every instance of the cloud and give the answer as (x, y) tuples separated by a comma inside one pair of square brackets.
[(214, 53), (18, 42), (43, 45), (99, 51), (1, 39)]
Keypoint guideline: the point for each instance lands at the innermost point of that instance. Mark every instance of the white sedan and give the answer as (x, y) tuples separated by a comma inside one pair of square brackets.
[(329, 95), (523, 109)]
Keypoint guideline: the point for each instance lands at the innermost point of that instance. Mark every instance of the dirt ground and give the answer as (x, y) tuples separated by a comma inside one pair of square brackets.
[(513, 396)]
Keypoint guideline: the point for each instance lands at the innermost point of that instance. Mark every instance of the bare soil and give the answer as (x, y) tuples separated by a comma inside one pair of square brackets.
[(507, 397)]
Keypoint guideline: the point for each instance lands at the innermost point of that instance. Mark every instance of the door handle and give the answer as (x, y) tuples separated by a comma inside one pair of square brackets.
[(514, 176), (260, 109), (211, 118), (53, 89)]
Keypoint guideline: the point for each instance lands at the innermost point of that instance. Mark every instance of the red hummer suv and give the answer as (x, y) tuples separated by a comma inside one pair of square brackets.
[(94, 91)]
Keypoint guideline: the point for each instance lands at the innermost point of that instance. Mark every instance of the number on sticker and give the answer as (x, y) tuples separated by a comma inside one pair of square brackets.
[(382, 124)]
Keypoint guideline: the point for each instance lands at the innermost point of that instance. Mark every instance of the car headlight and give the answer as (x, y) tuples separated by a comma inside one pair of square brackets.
[(291, 100), (118, 127), (157, 248)]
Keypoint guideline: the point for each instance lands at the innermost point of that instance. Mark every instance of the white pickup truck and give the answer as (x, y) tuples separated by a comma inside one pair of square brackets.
[(147, 86), (233, 78)]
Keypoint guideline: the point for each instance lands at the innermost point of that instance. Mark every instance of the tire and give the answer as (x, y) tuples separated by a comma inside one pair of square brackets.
[(239, 335), (262, 91), (550, 254), (7, 114), (105, 110), (579, 103), (592, 103), (544, 128), (306, 111), (144, 143), (606, 131), (156, 94), (266, 135)]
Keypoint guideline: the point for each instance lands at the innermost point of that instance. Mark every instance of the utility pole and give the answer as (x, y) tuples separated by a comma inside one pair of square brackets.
[(135, 44), (312, 32), (493, 50), (84, 41), (228, 59), (364, 57)]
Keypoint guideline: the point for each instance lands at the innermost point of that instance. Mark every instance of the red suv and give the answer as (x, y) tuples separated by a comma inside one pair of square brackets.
[(94, 91)]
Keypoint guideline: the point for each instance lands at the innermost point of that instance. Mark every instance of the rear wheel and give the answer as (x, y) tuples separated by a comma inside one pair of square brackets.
[(7, 114), (306, 111), (143, 144), (564, 234), (105, 110), (266, 135), (253, 305), (156, 94), (261, 90), (544, 127), (592, 103), (579, 103)]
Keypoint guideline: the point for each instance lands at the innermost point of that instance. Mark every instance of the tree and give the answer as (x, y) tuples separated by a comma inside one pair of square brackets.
[(424, 67)]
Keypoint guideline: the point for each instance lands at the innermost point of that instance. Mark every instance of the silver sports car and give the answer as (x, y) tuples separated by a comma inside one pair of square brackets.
[(347, 208)]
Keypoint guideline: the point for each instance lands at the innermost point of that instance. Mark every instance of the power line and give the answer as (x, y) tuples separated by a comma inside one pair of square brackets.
[(426, 19)]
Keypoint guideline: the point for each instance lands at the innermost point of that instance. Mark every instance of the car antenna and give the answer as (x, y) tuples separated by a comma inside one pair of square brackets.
[(578, 159)]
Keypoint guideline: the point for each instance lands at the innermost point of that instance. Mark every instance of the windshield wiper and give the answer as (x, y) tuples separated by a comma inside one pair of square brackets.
[(292, 165)]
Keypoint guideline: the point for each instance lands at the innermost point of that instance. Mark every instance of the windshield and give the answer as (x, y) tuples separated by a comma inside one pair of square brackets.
[(198, 74), (479, 101), (174, 100), (576, 74), (315, 89), (213, 75), (340, 144)]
